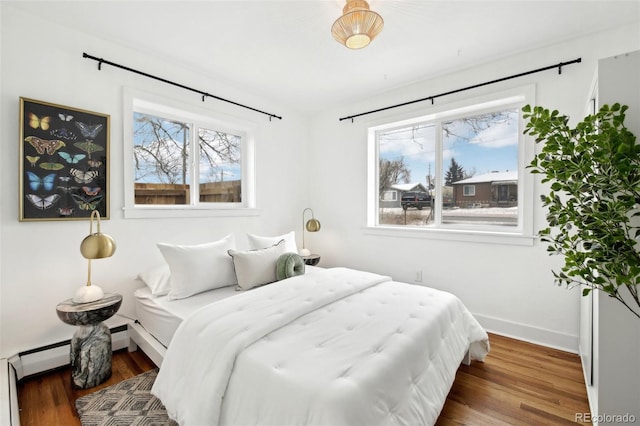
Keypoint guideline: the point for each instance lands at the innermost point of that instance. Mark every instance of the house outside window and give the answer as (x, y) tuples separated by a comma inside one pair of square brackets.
[(471, 161), (181, 162)]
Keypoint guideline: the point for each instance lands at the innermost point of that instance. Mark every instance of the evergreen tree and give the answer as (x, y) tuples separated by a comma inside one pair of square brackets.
[(454, 174)]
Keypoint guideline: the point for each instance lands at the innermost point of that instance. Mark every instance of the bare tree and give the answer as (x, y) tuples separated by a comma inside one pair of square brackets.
[(478, 123), (218, 148), (161, 150), (391, 173)]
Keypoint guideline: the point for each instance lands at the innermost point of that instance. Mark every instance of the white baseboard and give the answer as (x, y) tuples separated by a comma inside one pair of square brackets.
[(527, 333)]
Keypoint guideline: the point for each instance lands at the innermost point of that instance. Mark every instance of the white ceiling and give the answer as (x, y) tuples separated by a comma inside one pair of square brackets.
[(284, 49)]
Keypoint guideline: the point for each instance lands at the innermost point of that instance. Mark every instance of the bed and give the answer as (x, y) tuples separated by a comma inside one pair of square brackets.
[(331, 347)]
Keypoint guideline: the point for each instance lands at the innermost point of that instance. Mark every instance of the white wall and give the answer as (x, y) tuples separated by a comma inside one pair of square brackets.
[(509, 288), (41, 263)]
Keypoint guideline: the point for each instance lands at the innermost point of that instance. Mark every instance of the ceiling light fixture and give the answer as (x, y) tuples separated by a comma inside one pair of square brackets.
[(357, 26)]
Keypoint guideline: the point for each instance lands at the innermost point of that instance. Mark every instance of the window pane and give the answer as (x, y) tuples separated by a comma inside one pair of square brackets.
[(220, 167), (480, 164), (406, 167), (161, 159)]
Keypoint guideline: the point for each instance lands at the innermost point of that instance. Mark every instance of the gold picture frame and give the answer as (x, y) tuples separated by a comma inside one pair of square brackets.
[(64, 162)]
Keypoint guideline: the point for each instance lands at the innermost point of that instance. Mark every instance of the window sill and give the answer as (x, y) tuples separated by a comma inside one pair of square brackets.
[(472, 236), (155, 212)]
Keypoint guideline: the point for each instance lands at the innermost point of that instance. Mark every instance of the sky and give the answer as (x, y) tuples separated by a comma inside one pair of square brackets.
[(171, 150), (480, 146)]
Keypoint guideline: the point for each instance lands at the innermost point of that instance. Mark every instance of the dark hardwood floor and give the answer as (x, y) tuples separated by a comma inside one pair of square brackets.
[(518, 384), (48, 399)]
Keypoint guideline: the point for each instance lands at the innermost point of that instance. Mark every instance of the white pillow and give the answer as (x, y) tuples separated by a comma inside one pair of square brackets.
[(258, 242), (199, 268), (157, 279), (257, 267)]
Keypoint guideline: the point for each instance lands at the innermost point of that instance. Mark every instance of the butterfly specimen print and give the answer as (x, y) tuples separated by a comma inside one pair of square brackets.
[(51, 166), (71, 159), (65, 184), (87, 203), (67, 189), (91, 191), (89, 131), (58, 178), (43, 203), (82, 176), (33, 160), (63, 133), (43, 145), (36, 182), (39, 122), (89, 147), (65, 211)]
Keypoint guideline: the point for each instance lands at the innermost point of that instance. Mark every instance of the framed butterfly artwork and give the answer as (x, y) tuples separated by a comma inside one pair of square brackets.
[(64, 162)]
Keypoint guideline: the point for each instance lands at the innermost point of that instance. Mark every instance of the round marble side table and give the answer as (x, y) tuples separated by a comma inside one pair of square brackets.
[(91, 342)]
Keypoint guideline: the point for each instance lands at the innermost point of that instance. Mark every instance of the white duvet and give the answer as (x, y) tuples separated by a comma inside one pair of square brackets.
[(337, 347)]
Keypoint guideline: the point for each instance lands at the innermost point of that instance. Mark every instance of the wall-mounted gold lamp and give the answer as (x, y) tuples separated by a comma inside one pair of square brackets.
[(312, 225), (94, 246)]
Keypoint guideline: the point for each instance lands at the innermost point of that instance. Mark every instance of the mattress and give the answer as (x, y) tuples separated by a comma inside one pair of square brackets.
[(161, 316)]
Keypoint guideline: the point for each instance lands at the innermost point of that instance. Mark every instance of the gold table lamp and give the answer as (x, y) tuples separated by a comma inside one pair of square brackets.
[(94, 246)]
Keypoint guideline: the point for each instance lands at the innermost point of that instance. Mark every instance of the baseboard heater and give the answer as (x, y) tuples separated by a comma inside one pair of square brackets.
[(9, 409), (49, 357), (37, 361)]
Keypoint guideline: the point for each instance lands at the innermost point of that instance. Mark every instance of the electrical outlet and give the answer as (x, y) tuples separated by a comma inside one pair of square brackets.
[(418, 276)]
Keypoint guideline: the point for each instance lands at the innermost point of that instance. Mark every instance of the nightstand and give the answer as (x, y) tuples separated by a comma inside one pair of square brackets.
[(91, 343), (311, 260)]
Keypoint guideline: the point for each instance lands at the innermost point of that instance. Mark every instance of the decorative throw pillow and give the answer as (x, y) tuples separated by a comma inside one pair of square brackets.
[(256, 267), (199, 268), (258, 242), (158, 279), (289, 265)]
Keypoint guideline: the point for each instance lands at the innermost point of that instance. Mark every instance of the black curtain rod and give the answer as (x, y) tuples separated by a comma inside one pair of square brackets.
[(204, 94), (486, 83)]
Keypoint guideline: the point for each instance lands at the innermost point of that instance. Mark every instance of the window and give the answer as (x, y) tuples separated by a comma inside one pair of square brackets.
[(469, 159), (390, 196), (181, 161)]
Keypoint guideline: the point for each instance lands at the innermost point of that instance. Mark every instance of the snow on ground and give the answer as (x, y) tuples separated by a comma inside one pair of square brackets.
[(488, 211)]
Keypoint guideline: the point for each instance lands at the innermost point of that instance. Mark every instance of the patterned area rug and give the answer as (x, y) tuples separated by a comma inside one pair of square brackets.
[(126, 403)]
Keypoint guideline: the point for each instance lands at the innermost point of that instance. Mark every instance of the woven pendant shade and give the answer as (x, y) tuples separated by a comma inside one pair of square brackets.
[(357, 26)]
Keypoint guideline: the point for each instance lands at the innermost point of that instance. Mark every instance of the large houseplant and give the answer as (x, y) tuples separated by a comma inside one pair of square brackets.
[(594, 199)]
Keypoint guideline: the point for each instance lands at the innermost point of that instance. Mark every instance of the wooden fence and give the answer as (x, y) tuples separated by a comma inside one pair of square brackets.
[(175, 194)]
